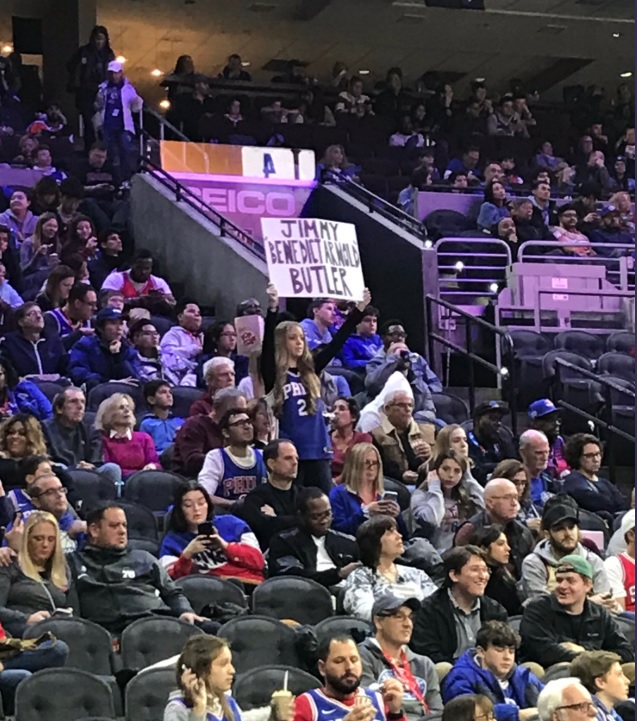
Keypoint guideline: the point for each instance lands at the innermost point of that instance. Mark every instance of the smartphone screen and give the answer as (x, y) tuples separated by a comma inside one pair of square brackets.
[(206, 529), (390, 496)]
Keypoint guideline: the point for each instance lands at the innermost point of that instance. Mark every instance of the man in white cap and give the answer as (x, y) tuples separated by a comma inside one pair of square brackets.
[(621, 567), (115, 103)]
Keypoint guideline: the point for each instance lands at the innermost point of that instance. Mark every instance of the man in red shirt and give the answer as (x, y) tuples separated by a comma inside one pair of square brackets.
[(341, 698)]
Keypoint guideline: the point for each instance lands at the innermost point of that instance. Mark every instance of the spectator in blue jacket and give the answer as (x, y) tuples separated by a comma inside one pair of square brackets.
[(321, 315), (28, 350), (583, 453), (489, 669), (105, 356), (160, 424), (494, 207), (363, 345), (360, 496)]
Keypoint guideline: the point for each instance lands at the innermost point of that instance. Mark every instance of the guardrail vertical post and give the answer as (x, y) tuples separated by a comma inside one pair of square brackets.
[(472, 375), (513, 383)]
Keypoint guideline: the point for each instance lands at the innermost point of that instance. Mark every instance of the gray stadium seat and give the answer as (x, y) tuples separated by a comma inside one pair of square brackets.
[(149, 640), (255, 688), (291, 597)]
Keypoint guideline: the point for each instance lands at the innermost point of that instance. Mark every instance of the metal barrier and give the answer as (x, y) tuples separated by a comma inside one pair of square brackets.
[(376, 204), (227, 229), (618, 270), (505, 372), (607, 386), (468, 273)]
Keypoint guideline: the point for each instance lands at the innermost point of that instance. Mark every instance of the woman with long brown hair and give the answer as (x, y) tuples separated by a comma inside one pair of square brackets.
[(204, 678), (445, 500), (57, 288), (40, 253), (291, 375)]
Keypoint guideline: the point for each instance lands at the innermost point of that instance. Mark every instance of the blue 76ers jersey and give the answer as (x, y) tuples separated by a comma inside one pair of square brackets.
[(307, 431), (328, 709)]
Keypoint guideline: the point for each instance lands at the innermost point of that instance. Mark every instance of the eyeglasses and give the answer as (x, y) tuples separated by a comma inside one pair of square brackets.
[(371, 464), (590, 456), (323, 515), (583, 707), (240, 424), (508, 497), (52, 492)]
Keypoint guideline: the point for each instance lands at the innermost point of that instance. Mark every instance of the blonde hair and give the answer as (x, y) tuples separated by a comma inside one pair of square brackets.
[(443, 441), (355, 466), (36, 445), (56, 565), (304, 365), (106, 411)]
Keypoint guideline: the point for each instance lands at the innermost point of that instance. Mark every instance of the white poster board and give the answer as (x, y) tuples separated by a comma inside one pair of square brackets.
[(249, 334), (313, 258)]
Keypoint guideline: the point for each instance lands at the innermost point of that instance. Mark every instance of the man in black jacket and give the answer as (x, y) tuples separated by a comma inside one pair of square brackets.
[(556, 628), (313, 550), (114, 585), (449, 620), (501, 500), (271, 507), (489, 442)]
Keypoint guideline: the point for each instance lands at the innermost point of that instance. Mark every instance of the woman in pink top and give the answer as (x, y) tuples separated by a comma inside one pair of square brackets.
[(344, 435), (131, 450)]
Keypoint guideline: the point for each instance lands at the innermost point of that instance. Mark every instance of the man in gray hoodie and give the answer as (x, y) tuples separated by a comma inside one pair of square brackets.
[(560, 525), (387, 655)]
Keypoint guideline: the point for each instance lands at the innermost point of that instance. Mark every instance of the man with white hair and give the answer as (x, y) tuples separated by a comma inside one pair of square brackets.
[(565, 699), (403, 444), (501, 501), (535, 452), (218, 372)]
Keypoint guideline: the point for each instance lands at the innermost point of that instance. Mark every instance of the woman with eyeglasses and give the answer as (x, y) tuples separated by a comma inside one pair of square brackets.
[(344, 434), (360, 495), (220, 341), (381, 544), (198, 542), (470, 707)]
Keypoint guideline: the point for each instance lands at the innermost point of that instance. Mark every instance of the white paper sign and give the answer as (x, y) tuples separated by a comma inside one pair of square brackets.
[(249, 334), (313, 258)]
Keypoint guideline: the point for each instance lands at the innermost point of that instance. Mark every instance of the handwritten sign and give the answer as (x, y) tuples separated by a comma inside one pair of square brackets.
[(249, 334), (313, 258)]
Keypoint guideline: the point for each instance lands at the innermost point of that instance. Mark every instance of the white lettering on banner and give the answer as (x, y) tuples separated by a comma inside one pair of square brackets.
[(249, 202), (312, 257)]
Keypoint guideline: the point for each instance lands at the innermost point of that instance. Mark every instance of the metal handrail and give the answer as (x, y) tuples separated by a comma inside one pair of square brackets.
[(376, 204), (184, 194), (606, 423), (467, 352)]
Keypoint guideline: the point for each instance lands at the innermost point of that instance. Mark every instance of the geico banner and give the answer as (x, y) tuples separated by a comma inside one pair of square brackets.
[(245, 203)]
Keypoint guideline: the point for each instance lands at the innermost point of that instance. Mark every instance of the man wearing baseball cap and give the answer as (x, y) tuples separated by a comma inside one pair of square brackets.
[(556, 628), (489, 442), (621, 568), (560, 526), (387, 655), (610, 231), (105, 356), (115, 104), (544, 416)]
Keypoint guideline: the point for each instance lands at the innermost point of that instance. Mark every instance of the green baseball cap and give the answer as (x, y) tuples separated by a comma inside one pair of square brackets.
[(576, 564)]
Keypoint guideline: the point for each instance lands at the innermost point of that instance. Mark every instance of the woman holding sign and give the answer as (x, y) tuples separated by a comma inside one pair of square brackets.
[(291, 376)]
